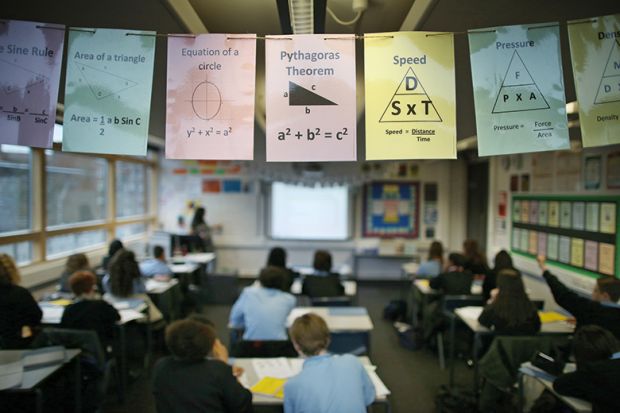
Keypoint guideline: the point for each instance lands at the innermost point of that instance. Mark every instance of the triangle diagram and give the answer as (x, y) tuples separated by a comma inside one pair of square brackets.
[(101, 83), (609, 86), (16, 77), (519, 92), (300, 96), (410, 102)]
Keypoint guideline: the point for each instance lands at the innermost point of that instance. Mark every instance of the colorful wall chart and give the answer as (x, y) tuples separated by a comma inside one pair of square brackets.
[(391, 209), (595, 54), (410, 96), (310, 98), (30, 60), (586, 241), (108, 91), (518, 89), (210, 97)]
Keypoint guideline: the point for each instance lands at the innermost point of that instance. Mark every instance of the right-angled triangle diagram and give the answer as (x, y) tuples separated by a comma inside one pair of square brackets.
[(300, 96), (101, 83), (519, 92), (609, 87)]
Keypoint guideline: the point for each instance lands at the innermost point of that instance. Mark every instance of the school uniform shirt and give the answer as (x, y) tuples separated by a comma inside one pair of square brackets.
[(262, 312), (17, 309), (198, 386), (329, 384), (595, 382), (489, 318), (153, 267), (429, 268), (453, 283), (585, 310), (95, 315)]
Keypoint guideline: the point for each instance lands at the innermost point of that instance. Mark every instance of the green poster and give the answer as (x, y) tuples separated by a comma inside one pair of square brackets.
[(518, 89), (595, 53), (108, 91)]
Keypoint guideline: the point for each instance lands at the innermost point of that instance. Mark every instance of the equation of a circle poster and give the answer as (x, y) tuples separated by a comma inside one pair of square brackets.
[(108, 91), (310, 98), (210, 97), (30, 60), (518, 89), (391, 209), (410, 96)]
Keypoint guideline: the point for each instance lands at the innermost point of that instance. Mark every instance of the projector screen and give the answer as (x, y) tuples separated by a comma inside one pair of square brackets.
[(309, 213)]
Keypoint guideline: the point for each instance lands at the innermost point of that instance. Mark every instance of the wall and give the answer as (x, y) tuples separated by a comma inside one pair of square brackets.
[(558, 173)]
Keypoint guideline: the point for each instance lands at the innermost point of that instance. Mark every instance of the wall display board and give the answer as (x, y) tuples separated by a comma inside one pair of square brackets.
[(586, 241), (391, 209)]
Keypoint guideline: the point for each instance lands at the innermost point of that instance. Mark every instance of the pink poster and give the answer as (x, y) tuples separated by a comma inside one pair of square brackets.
[(30, 60), (591, 258), (210, 98), (310, 98)]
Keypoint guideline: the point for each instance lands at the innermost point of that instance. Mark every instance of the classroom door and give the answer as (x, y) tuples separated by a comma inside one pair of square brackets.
[(477, 202)]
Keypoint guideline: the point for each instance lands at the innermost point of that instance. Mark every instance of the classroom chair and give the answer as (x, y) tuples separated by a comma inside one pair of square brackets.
[(338, 301), (448, 304), (322, 286), (220, 289), (264, 349)]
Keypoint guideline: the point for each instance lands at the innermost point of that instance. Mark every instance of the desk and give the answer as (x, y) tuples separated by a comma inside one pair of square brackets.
[(167, 296), (380, 267), (250, 378), (469, 315), (350, 287), (528, 369), (34, 377), (422, 293)]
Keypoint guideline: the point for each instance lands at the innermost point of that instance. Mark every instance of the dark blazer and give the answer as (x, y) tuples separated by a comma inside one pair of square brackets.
[(322, 286), (453, 283), (595, 382), (17, 309), (489, 318), (586, 311), (95, 315), (198, 386)]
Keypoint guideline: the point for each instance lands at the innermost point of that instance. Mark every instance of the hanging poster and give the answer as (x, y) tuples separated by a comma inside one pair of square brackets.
[(30, 60), (410, 96), (210, 97), (518, 89), (595, 54), (310, 98), (108, 91)]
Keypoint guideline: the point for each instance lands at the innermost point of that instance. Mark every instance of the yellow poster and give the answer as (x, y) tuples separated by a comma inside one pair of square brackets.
[(576, 252), (410, 96), (554, 214), (606, 254)]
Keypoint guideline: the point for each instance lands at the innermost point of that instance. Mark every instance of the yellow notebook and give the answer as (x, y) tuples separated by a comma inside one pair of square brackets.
[(551, 317), (269, 386), (61, 301)]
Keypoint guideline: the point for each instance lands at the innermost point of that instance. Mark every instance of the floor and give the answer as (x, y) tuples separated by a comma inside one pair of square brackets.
[(414, 377)]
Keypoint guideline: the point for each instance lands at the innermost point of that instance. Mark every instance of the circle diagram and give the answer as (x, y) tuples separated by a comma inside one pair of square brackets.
[(206, 100)]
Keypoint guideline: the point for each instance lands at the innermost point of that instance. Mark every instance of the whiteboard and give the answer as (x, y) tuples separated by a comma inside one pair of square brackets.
[(309, 213)]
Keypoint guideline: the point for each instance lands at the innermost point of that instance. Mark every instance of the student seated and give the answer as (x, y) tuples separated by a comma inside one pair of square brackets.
[(323, 282), (75, 262), (156, 267), (502, 261), (597, 355), (189, 381), (89, 311), (456, 280), (277, 258), (475, 261), (602, 310), (19, 312), (262, 310), (327, 383), (510, 311), (322, 264), (115, 246), (434, 263)]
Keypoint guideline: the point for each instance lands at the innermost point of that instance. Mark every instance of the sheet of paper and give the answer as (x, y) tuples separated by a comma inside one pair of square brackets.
[(296, 365), (591, 255), (592, 210), (52, 314), (608, 217), (565, 215), (130, 315), (576, 252), (554, 213), (470, 313), (564, 252), (272, 367), (380, 388), (606, 261), (552, 246), (578, 215)]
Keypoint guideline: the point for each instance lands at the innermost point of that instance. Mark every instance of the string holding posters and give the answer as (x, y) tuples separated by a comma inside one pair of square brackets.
[(210, 97), (595, 55), (410, 96), (108, 91), (310, 98), (30, 61), (518, 89)]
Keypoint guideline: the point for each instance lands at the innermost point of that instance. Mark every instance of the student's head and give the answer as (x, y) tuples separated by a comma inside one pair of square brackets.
[(114, 247), (322, 261), (76, 262), (189, 340), (309, 334), (607, 289), (158, 252), (593, 343), (123, 271), (277, 257), (512, 303), (8, 271), (82, 283), (272, 277), (456, 260), (435, 252), (502, 261), (471, 252)]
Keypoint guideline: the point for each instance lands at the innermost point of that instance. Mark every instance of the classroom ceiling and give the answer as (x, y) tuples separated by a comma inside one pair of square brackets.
[(261, 17)]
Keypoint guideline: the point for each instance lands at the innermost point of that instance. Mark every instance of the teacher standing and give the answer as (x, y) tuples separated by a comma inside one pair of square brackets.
[(201, 229)]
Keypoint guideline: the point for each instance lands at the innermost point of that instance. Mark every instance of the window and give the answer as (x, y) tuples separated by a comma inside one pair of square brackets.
[(131, 189), (126, 231), (21, 252), (15, 181), (60, 245), (76, 188)]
